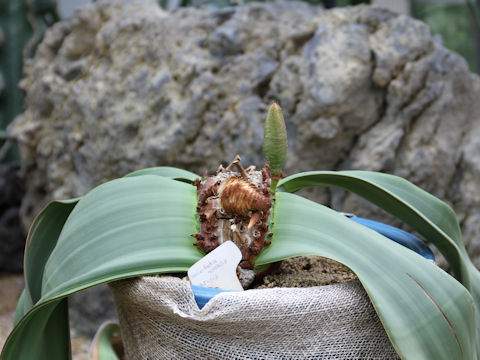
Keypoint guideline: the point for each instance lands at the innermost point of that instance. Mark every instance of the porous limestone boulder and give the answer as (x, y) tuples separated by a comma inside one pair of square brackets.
[(122, 87)]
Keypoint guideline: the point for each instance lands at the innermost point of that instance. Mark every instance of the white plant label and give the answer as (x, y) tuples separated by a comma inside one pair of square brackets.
[(218, 269)]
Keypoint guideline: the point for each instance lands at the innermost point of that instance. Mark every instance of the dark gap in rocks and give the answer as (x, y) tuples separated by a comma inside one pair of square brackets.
[(11, 234), (302, 39), (263, 87)]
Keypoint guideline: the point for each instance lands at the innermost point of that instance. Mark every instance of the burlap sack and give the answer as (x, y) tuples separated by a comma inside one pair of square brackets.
[(159, 319)]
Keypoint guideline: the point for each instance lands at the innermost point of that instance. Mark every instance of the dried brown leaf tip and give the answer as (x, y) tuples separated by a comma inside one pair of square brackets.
[(234, 204)]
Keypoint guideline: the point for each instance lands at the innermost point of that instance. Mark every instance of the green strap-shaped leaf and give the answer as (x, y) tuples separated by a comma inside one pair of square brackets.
[(168, 172), (127, 227), (426, 312), (43, 333), (19, 311), (425, 213), (124, 228), (41, 240)]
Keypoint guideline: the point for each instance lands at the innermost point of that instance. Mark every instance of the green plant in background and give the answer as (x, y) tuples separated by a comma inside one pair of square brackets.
[(175, 4), (454, 22), (22, 25), (142, 224)]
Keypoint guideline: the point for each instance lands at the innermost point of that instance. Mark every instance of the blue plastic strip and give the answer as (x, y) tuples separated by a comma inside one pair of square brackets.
[(203, 294), (399, 236)]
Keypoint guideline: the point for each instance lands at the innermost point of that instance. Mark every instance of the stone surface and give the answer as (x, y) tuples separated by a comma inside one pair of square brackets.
[(122, 87), (12, 237)]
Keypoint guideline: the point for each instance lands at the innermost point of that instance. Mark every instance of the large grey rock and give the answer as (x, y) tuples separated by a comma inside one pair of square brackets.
[(122, 87)]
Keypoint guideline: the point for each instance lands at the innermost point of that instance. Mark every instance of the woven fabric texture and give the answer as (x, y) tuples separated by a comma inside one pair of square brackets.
[(159, 319)]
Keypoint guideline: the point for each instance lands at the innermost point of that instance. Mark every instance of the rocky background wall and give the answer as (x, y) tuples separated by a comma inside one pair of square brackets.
[(122, 87)]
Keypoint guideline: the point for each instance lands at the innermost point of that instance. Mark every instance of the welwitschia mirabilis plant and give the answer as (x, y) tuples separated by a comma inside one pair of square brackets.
[(142, 224)]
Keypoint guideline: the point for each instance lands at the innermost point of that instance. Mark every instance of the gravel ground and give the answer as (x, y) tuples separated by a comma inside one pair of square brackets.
[(306, 271), (11, 285)]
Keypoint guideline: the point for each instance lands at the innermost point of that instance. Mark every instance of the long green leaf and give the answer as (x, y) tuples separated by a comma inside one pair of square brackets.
[(426, 312), (423, 212), (43, 333), (19, 311), (41, 240), (123, 228), (129, 227), (168, 172)]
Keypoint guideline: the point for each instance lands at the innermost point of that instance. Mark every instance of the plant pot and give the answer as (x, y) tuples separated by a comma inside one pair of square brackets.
[(160, 319)]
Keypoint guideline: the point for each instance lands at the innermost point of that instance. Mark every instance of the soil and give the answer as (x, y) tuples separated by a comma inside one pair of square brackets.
[(306, 271), (11, 286)]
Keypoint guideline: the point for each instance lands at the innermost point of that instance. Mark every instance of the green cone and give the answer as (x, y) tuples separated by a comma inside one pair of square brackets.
[(275, 139)]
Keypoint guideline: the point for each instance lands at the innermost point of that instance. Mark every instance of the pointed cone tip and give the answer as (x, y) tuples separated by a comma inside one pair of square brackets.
[(275, 105)]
